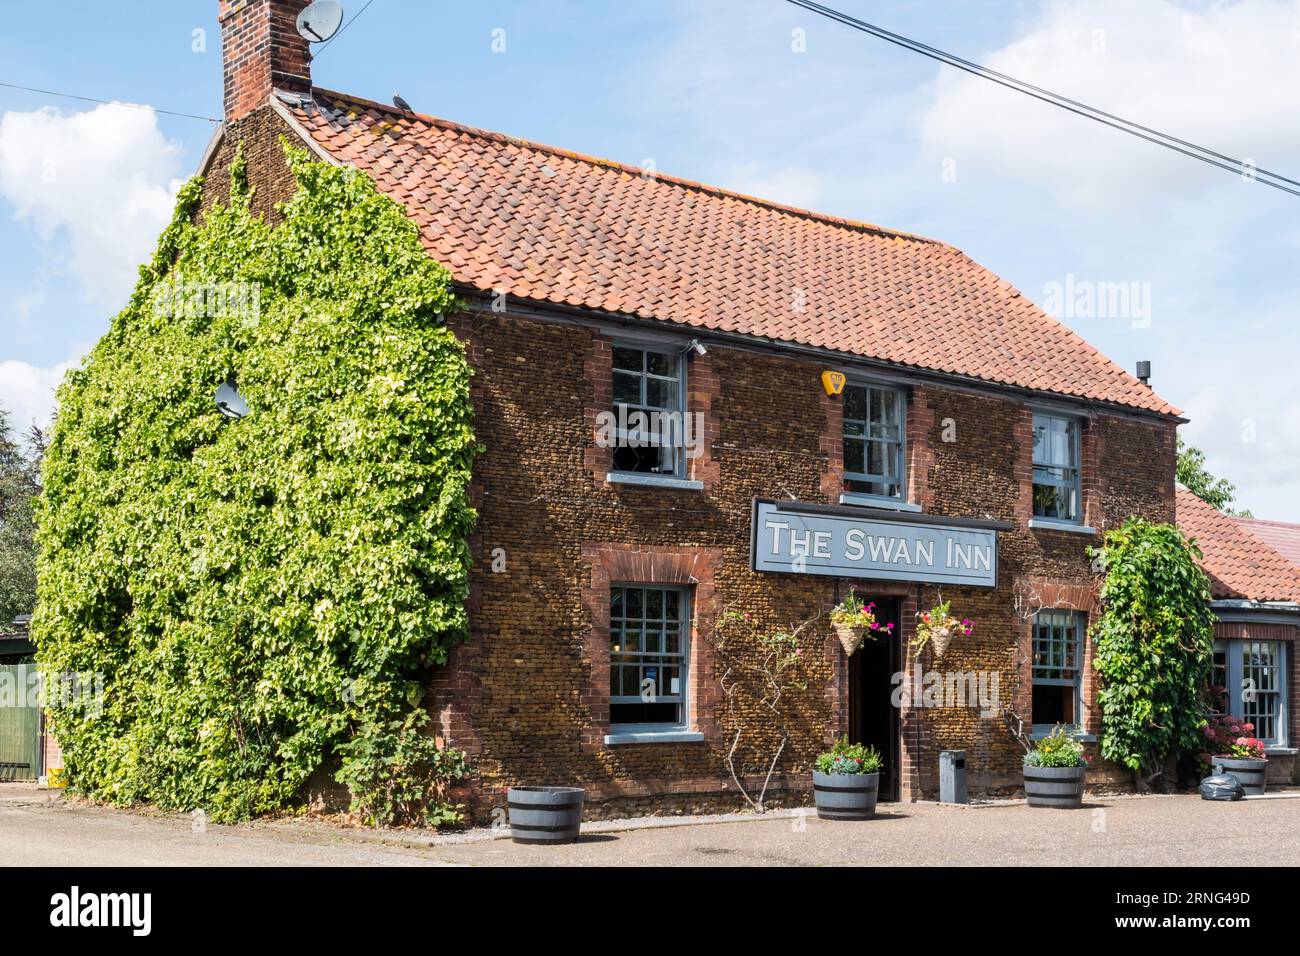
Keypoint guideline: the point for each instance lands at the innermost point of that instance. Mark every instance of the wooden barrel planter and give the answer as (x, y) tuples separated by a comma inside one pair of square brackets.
[(1249, 770), (845, 796), (1060, 787), (545, 815)]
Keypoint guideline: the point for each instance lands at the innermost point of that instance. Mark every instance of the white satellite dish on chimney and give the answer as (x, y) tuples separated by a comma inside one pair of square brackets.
[(320, 21)]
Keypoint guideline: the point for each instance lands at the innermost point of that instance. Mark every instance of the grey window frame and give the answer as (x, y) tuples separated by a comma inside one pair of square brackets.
[(676, 354), (1079, 622), (865, 439), (684, 658), (1237, 705), (1076, 486)]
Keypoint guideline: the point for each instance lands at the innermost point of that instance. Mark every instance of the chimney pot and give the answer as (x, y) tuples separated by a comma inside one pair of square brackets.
[(1144, 373)]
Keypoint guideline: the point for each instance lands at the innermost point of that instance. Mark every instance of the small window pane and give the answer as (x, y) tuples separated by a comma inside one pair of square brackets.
[(854, 457), (627, 389), (661, 393), (855, 402), (630, 359), (657, 363)]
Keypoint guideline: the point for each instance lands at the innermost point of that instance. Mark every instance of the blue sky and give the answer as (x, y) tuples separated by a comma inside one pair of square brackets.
[(730, 93)]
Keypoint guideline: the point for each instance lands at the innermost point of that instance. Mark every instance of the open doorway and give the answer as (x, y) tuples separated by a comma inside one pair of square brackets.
[(873, 718)]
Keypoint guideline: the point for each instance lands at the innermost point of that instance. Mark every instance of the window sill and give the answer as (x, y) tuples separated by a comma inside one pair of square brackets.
[(1280, 751), (1053, 524), (654, 737), (652, 481), (873, 501)]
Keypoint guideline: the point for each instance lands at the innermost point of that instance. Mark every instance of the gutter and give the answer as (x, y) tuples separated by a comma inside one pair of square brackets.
[(1232, 611)]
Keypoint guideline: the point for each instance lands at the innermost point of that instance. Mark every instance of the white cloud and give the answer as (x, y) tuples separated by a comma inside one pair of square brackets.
[(1223, 75), (27, 391), (97, 186)]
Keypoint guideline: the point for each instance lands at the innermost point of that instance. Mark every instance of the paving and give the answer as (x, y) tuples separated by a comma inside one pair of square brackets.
[(40, 828)]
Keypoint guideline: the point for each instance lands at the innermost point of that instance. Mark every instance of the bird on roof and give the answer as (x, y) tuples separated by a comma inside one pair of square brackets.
[(401, 104)]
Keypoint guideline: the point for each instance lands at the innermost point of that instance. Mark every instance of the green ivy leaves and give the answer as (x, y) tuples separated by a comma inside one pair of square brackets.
[(261, 595), (1154, 642)]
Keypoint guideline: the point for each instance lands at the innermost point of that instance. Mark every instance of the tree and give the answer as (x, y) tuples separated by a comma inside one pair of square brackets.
[(1192, 475), (19, 486), (1154, 640)]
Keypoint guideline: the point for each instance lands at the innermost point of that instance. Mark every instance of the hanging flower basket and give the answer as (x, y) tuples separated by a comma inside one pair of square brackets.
[(851, 636), (937, 627), (854, 622)]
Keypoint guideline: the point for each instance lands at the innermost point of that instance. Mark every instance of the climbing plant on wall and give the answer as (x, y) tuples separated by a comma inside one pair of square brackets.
[(266, 596), (1154, 640)]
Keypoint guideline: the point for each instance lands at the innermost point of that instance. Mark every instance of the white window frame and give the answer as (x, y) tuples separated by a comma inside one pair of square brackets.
[(1076, 486), (1079, 620), (677, 453), (1237, 705), (683, 701), (866, 439)]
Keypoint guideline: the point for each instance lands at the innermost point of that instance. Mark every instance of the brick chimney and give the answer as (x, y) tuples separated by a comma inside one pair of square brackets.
[(261, 51)]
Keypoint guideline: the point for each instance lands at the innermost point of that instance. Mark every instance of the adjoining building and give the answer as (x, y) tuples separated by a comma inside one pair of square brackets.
[(1254, 570), (25, 748), (850, 406)]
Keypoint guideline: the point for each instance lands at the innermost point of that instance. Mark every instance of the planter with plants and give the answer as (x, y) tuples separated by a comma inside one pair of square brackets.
[(854, 622), (1055, 770), (1231, 748), (847, 781), (937, 627)]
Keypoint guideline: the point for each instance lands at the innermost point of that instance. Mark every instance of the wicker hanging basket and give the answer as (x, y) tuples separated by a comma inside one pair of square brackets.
[(851, 637), (940, 638)]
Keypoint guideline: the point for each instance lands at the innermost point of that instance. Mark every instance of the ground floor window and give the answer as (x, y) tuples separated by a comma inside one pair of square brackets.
[(1057, 670), (649, 633), (1253, 676)]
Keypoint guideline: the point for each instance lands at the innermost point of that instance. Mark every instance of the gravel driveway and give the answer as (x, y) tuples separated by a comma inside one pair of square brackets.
[(1168, 831)]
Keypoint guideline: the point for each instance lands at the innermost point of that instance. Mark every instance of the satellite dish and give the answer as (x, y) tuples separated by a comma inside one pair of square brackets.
[(320, 21), (229, 402)]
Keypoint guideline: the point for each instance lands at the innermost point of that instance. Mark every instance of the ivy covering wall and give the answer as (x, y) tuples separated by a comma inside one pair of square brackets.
[(263, 596)]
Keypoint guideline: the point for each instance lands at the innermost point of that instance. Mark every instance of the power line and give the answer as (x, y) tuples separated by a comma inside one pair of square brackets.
[(351, 21), (1202, 153), (91, 99)]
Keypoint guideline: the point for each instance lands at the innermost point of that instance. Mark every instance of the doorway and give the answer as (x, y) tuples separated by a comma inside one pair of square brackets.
[(873, 718)]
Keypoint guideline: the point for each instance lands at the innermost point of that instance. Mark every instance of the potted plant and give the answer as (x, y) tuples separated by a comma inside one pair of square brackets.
[(1233, 749), (854, 622), (1055, 771), (937, 627), (846, 781)]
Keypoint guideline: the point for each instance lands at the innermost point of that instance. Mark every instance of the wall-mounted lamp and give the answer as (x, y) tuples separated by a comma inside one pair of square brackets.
[(696, 346), (229, 402)]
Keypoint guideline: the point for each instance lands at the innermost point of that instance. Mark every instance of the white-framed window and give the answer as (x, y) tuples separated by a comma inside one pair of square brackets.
[(874, 440), (1254, 678), (650, 406), (1056, 467), (1057, 678), (649, 644)]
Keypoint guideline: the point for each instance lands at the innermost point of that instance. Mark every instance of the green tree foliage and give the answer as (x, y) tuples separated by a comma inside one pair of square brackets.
[(259, 595), (1154, 640), (1192, 475), (19, 486)]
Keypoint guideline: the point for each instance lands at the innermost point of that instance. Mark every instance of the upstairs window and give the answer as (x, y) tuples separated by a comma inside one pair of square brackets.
[(1058, 670), (1056, 468), (649, 632), (873, 441), (650, 406)]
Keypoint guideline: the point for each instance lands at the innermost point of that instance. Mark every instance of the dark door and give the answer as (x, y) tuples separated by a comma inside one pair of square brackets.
[(873, 718)]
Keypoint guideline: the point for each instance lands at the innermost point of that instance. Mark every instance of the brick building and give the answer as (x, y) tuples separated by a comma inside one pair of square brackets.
[(1254, 569), (970, 423)]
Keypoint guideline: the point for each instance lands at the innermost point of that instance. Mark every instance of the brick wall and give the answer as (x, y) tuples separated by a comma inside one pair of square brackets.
[(773, 433)]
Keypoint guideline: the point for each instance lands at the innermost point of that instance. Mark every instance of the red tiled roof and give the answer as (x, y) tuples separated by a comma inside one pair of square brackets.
[(1281, 537), (1239, 564), (553, 226)]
